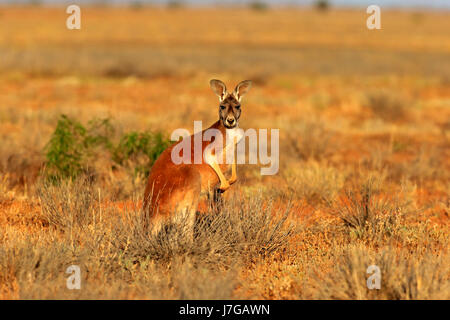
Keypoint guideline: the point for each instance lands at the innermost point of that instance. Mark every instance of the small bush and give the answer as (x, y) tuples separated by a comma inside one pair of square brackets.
[(322, 5), (72, 147), (369, 216), (387, 105), (134, 145), (68, 205), (65, 149), (258, 6)]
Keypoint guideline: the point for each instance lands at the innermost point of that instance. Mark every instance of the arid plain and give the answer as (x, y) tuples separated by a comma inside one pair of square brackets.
[(364, 177)]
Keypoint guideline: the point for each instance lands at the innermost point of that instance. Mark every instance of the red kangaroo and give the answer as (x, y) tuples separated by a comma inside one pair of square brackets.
[(173, 190)]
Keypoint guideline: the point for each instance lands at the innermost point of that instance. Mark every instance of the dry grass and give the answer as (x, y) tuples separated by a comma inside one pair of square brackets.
[(363, 119), (4, 188), (315, 182), (241, 230), (404, 276), (310, 140), (371, 216), (111, 243)]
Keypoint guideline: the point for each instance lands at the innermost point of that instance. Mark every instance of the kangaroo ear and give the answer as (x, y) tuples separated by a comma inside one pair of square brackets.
[(242, 88), (219, 88)]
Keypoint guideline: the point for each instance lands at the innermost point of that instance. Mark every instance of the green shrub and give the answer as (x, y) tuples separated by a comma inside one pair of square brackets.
[(258, 6), (73, 146), (322, 5), (136, 144), (66, 150)]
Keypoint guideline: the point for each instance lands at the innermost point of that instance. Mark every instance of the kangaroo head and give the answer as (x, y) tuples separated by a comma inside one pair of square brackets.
[(230, 103)]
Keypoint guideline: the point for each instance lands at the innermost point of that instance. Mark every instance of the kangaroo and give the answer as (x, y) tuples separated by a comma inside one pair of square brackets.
[(173, 190)]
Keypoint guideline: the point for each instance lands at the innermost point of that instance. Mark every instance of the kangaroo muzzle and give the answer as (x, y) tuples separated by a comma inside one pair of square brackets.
[(231, 121)]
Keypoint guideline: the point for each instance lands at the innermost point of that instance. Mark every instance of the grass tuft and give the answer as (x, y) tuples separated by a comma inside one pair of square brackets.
[(404, 276)]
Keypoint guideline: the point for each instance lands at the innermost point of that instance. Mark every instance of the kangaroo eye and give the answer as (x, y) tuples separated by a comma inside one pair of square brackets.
[(238, 106), (222, 107)]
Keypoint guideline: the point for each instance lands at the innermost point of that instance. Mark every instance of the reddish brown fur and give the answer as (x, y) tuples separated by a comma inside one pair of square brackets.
[(168, 182)]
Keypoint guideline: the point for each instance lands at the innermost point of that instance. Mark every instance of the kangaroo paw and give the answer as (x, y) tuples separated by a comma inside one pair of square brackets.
[(224, 186)]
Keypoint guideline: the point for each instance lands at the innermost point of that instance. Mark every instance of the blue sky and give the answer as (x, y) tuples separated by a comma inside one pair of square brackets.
[(385, 3)]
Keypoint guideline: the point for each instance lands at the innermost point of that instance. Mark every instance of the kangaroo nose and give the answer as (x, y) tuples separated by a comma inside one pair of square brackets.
[(230, 121)]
